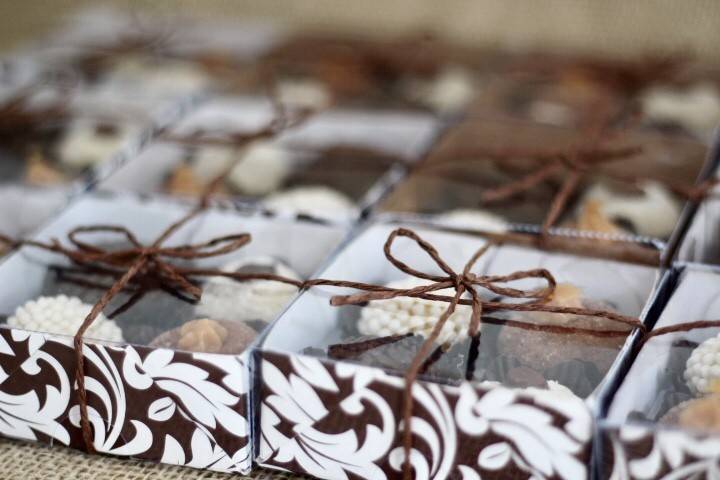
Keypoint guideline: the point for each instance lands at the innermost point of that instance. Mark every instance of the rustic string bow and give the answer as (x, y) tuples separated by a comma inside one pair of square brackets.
[(461, 283), (148, 267)]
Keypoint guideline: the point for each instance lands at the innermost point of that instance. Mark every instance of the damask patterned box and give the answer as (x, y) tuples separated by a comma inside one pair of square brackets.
[(517, 403), (661, 423), (166, 377), (333, 165)]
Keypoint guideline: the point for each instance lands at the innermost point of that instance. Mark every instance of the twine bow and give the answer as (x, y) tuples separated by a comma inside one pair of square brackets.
[(150, 267), (140, 264), (461, 283), (575, 162)]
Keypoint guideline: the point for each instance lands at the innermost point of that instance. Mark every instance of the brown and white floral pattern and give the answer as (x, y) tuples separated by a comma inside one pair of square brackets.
[(340, 421), (641, 453), (156, 404)]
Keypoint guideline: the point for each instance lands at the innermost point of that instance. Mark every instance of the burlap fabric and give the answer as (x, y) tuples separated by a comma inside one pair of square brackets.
[(29, 461), (620, 27)]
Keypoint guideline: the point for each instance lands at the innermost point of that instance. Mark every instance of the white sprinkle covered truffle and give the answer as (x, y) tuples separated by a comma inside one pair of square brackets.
[(702, 371), (226, 299), (653, 213), (401, 315), (87, 142), (63, 315), (475, 219), (317, 201)]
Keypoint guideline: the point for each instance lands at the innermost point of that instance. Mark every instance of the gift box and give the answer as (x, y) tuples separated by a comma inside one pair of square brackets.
[(511, 403), (414, 71), (669, 93), (510, 175), (659, 422), (160, 55), (165, 370), (56, 140), (333, 165)]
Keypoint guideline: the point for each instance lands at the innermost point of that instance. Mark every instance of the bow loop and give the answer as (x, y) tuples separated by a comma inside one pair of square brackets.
[(112, 229), (490, 282), (426, 247), (212, 248)]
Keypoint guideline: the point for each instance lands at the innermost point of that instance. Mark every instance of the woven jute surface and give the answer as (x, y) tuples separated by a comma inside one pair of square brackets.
[(30, 461)]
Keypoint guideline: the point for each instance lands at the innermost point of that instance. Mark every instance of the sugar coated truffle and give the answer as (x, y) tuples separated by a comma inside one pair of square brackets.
[(401, 315), (702, 370), (63, 315)]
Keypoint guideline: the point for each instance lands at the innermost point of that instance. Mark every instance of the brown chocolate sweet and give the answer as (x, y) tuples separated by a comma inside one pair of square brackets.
[(543, 350), (208, 336), (697, 414)]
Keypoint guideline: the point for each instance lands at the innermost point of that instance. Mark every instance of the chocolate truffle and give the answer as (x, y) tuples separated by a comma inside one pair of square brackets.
[(702, 370), (544, 350), (696, 108), (207, 336), (653, 213), (698, 413), (87, 143), (317, 201)]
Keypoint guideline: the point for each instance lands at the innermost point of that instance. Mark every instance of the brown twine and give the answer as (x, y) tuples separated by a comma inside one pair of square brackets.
[(680, 327), (462, 283)]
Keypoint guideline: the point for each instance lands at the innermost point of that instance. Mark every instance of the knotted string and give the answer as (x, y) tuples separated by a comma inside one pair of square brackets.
[(462, 283)]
